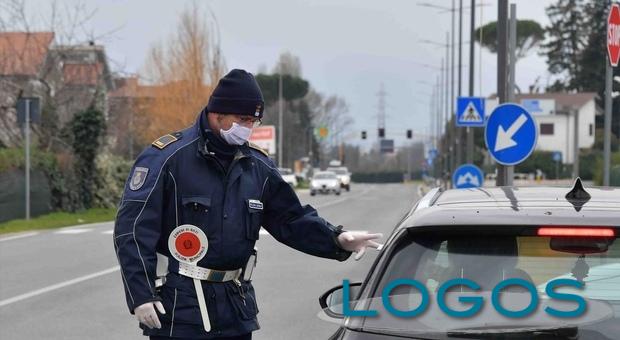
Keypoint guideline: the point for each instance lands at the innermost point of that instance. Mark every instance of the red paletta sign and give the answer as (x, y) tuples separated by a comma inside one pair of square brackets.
[(265, 137), (613, 34)]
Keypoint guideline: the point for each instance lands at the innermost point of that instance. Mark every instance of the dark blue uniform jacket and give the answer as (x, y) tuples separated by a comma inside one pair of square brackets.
[(182, 183)]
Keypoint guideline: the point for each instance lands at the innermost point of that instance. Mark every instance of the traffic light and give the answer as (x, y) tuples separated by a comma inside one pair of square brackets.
[(409, 134), (381, 132), (363, 134)]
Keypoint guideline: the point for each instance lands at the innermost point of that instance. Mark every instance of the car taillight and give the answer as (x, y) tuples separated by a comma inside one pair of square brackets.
[(576, 231)]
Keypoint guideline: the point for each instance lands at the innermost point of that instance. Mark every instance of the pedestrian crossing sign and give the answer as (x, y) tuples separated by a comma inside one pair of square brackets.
[(470, 111)]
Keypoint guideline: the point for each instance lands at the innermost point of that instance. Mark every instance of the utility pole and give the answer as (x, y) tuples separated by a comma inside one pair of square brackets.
[(504, 175), (280, 114), (452, 121), (470, 131)]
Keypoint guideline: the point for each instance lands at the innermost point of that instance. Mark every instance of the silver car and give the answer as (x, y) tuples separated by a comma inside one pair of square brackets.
[(492, 263), (324, 182)]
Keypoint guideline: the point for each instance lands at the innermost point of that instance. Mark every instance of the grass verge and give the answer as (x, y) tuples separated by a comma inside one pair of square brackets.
[(58, 219)]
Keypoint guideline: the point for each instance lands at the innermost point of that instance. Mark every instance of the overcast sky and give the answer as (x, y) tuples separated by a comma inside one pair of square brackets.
[(346, 47)]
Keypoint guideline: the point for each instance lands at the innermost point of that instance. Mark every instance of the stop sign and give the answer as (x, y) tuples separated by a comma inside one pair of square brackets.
[(613, 34)]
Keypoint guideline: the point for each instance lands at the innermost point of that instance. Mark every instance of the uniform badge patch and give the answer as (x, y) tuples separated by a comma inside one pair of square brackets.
[(138, 178), (164, 141), (255, 204)]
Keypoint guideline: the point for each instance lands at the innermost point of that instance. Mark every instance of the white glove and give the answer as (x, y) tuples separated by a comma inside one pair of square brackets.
[(146, 314), (358, 241)]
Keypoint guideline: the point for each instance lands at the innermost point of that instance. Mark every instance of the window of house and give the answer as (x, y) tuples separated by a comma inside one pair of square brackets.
[(591, 129), (546, 129)]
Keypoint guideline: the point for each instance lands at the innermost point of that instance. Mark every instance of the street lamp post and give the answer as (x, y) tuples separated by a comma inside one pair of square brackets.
[(456, 131)]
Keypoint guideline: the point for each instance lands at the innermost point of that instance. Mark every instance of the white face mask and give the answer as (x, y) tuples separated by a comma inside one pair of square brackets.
[(236, 135)]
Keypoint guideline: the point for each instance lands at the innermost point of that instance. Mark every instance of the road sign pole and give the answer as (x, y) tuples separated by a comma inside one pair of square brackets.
[(503, 176), (512, 35), (448, 143), (470, 131), (512, 62), (607, 133), (459, 132), (576, 144), (27, 133), (613, 57)]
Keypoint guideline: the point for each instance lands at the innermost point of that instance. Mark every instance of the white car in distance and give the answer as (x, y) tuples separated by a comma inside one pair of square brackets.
[(324, 182), (288, 176), (343, 175)]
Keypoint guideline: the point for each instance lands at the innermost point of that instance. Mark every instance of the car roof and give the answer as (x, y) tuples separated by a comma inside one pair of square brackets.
[(324, 173), (544, 205)]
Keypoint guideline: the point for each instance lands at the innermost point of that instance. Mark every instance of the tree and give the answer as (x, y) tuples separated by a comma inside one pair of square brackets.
[(567, 36), (293, 87), (529, 35), (296, 114), (87, 129), (65, 30), (184, 70), (577, 50), (288, 64)]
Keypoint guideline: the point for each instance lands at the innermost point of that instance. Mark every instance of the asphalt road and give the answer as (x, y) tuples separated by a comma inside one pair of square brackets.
[(65, 284)]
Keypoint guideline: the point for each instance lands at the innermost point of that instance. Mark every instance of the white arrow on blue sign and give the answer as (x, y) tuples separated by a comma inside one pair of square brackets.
[(470, 111), (511, 134), (467, 176)]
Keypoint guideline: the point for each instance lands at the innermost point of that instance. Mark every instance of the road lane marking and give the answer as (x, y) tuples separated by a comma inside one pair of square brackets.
[(326, 204), (57, 286), (72, 231), (108, 232), (340, 200), (15, 237)]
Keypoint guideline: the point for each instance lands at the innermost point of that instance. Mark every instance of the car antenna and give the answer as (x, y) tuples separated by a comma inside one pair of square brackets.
[(578, 196)]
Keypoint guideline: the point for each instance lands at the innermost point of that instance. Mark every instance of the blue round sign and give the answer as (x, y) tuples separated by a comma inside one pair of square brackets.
[(467, 176), (511, 134)]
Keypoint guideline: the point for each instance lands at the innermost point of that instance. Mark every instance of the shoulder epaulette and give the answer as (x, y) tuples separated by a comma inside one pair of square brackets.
[(256, 147), (166, 140)]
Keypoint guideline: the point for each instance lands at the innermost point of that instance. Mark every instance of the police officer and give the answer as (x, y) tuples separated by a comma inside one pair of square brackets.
[(199, 197)]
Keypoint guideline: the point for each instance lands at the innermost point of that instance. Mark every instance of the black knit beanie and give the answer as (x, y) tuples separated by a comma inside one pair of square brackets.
[(237, 93)]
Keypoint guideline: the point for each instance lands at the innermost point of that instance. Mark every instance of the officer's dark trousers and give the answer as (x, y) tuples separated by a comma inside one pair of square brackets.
[(240, 337)]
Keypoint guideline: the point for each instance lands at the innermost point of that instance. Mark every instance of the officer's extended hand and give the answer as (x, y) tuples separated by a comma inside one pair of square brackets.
[(358, 241), (146, 314)]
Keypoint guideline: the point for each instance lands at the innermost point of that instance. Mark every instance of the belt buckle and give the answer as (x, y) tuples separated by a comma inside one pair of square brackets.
[(216, 275)]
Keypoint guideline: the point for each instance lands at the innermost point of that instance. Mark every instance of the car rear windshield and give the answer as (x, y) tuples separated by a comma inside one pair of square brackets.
[(324, 176), (339, 171), (487, 260)]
